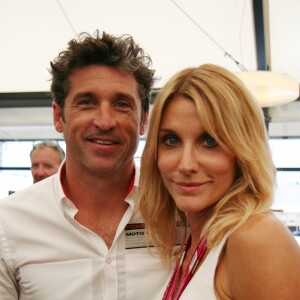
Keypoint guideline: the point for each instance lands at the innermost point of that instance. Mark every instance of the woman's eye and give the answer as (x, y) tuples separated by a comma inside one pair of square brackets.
[(170, 140), (210, 142)]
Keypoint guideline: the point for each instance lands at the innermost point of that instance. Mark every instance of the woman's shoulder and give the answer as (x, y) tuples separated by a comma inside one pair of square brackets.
[(261, 257), (261, 233), (261, 229)]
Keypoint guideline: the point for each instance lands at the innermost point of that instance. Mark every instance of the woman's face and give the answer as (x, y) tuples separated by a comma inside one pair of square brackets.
[(195, 170)]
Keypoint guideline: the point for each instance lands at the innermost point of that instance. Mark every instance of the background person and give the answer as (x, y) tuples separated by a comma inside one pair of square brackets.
[(78, 234), (207, 165), (46, 158)]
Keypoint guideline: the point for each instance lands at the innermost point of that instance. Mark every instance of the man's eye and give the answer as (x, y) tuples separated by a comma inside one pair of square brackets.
[(122, 104), (85, 102)]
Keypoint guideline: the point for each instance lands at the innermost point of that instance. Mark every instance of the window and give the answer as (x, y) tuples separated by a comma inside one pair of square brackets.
[(285, 153), (15, 164)]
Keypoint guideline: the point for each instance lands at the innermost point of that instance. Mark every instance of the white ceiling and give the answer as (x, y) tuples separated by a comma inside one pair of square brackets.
[(176, 34)]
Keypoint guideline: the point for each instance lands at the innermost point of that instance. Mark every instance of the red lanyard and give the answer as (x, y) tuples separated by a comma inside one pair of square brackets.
[(190, 271)]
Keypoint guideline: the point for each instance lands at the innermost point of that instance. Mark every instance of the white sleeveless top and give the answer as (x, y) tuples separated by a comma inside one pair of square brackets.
[(202, 285)]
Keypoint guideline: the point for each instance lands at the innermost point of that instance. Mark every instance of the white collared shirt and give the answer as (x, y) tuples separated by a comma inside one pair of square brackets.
[(47, 255)]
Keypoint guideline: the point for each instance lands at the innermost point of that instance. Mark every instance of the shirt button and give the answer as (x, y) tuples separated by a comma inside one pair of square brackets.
[(108, 260)]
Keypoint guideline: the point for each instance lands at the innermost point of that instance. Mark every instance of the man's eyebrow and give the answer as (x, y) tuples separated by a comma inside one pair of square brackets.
[(124, 95), (118, 95), (84, 94)]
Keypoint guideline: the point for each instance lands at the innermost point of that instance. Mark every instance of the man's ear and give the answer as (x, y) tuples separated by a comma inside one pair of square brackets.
[(144, 123), (57, 117)]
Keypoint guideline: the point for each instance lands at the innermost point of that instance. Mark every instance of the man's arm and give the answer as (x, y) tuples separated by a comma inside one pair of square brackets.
[(8, 285)]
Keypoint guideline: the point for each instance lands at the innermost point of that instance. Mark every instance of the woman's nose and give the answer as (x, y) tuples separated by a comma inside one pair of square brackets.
[(188, 161)]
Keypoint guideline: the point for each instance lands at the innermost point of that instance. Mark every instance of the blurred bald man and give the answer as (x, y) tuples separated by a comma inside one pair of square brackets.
[(46, 158)]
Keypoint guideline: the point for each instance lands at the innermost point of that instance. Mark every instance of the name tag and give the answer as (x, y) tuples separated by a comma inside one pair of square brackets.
[(135, 236)]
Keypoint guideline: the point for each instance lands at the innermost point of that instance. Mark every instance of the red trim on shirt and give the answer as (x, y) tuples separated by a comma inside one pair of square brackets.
[(62, 174), (131, 185)]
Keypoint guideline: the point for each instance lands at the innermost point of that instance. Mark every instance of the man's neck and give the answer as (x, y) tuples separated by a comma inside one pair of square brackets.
[(90, 189), (100, 203)]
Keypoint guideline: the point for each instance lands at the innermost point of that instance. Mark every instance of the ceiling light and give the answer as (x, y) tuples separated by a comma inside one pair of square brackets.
[(270, 88)]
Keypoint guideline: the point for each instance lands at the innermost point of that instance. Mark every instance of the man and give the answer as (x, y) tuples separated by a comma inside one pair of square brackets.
[(46, 158), (78, 234)]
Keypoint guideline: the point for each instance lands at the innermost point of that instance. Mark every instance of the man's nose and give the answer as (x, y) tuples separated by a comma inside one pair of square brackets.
[(105, 118)]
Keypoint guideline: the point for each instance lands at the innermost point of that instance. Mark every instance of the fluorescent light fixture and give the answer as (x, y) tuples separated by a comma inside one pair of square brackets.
[(271, 88)]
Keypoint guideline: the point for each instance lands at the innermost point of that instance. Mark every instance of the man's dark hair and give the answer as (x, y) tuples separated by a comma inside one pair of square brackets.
[(118, 52)]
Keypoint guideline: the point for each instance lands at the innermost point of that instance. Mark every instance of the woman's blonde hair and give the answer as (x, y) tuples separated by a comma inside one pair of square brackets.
[(231, 115)]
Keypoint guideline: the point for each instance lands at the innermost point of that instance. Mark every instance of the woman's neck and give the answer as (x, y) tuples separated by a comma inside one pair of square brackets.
[(197, 221)]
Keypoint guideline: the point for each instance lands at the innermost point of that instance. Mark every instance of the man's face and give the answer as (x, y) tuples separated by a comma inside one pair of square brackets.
[(101, 121), (44, 163)]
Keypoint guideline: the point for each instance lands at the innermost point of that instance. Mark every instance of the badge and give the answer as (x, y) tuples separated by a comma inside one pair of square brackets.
[(135, 236)]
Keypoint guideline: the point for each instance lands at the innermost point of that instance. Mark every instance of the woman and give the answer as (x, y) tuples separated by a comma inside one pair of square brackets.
[(207, 166)]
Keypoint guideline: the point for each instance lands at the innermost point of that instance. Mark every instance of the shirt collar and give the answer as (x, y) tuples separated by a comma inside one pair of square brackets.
[(130, 196)]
